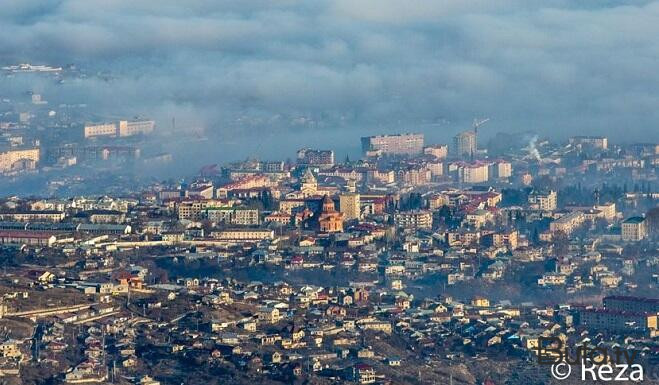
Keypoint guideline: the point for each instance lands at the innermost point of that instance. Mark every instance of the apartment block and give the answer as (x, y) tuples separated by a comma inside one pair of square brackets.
[(400, 144)]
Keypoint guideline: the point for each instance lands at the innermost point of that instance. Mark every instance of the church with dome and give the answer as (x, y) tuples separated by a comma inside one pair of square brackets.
[(330, 220)]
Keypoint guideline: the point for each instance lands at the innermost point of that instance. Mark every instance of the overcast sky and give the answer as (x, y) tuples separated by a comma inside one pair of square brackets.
[(354, 66)]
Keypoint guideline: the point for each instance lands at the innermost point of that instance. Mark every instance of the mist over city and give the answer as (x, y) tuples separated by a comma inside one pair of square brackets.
[(231, 67), (329, 192)]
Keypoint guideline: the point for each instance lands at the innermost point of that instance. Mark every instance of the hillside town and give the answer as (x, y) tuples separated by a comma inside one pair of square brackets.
[(419, 263)]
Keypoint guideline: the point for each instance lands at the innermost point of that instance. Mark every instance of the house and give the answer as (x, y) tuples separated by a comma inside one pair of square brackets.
[(146, 380), (393, 361), (10, 348), (363, 374), (275, 357), (268, 315)]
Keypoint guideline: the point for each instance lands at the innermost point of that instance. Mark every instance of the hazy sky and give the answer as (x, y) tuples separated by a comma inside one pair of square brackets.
[(353, 66)]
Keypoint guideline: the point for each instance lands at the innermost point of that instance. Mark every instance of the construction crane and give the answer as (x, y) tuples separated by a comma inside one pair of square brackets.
[(479, 122)]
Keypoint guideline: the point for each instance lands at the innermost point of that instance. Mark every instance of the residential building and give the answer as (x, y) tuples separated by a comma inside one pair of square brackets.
[(241, 216), (543, 200), (634, 229), (608, 210), (631, 304), (19, 159), (100, 129), (323, 158), (568, 222), (617, 321), (417, 219), (600, 142), (243, 234), (464, 144), (474, 173), (439, 151), (502, 169), (33, 216), (349, 205), (137, 127), (399, 144)]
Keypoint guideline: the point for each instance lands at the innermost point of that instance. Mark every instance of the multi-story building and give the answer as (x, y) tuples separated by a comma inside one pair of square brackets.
[(349, 205), (462, 236), (400, 144), (105, 216), (323, 158), (632, 304), (415, 175), (474, 173), (192, 209), (347, 173), (436, 201), (568, 222), (15, 159), (100, 129), (464, 144), (381, 176), (608, 210), (505, 238), (32, 238), (618, 321), (249, 182), (502, 169), (600, 142), (292, 206), (200, 191), (33, 216), (436, 169), (243, 234), (416, 219), (137, 127), (543, 201), (439, 151), (241, 216), (123, 128), (634, 229)]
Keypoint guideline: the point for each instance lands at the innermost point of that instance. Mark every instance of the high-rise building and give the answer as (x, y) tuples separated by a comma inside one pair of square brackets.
[(311, 157), (400, 144), (501, 169), (349, 205), (464, 144), (474, 173)]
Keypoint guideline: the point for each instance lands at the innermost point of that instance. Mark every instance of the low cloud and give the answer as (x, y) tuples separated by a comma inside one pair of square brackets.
[(291, 66)]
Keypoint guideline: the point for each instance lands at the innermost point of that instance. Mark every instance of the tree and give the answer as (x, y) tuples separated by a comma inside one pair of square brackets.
[(561, 244), (652, 217)]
